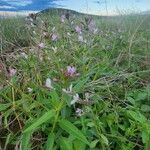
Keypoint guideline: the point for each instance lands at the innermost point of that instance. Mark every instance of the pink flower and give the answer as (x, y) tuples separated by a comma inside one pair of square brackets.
[(71, 71), (62, 18), (54, 37), (92, 27), (12, 72), (41, 45), (78, 29)]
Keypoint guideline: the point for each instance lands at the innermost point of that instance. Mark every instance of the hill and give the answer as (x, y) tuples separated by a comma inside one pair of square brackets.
[(146, 12)]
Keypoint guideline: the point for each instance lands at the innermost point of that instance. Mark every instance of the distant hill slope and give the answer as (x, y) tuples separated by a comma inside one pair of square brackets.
[(60, 11), (146, 12)]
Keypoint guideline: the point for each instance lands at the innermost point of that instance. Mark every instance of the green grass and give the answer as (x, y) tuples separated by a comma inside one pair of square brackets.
[(114, 70), (14, 33)]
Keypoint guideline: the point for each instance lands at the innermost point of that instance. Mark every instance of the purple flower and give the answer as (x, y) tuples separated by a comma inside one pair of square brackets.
[(41, 45), (54, 37), (71, 71), (62, 18), (12, 72), (78, 29), (92, 27)]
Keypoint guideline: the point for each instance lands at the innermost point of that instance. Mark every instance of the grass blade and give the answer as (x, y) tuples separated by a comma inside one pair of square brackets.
[(50, 142), (65, 144), (73, 130), (4, 106), (40, 121), (25, 144)]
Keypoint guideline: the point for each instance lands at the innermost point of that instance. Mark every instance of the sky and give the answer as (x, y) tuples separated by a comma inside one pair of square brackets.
[(98, 7)]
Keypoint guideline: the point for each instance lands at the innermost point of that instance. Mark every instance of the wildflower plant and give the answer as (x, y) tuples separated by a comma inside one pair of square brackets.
[(12, 72), (78, 86)]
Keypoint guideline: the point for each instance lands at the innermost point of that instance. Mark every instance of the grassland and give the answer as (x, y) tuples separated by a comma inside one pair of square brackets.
[(72, 83)]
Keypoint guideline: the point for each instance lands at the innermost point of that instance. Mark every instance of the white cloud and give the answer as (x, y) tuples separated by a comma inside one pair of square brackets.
[(15, 14), (18, 2), (6, 7)]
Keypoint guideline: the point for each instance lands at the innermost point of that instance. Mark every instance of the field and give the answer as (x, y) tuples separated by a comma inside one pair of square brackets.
[(72, 81)]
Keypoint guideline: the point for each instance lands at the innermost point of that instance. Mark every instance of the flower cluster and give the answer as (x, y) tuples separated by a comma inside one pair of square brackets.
[(41, 45), (62, 18), (71, 72), (54, 37), (78, 29), (12, 72)]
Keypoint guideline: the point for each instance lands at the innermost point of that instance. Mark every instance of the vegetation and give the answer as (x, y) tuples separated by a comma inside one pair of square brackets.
[(75, 82)]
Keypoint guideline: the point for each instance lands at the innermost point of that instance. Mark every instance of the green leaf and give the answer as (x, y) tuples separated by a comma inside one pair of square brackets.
[(105, 140), (7, 141), (131, 100), (73, 130), (48, 115), (65, 144), (146, 132), (79, 145), (145, 137), (79, 86), (50, 141), (55, 98), (137, 116), (93, 143), (145, 108), (147, 146), (25, 142), (4, 106), (141, 96)]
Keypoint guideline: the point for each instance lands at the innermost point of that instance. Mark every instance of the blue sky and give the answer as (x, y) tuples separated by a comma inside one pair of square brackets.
[(87, 6)]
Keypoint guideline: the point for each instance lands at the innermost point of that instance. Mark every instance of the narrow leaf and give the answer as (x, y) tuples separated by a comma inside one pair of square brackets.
[(65, 144), (7, 141), (79, 145), (137, 116), (105, 140), (145, 108), (145, 137), (93, 143), (50, 141), (73, 130), (4, 106), (48, 115), (55, 98), (80, 85), (25, 142)]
